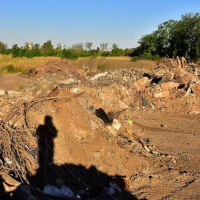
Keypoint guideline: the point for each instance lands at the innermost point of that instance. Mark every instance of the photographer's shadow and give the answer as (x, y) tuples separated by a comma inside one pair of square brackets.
[(77, 177)]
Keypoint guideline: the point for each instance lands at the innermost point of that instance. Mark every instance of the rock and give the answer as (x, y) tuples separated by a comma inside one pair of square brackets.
[(122, 104), (98, 75), (116, 125), (112, 130), (183, 62), (96, 154), (94, 125), (158, 104), (67, 81), (2, 92), (14, 93), (196, 89), (179, 73), (142, 83), (74, 90), (169, 85), (162, 93), (168, 77), (145, 102)]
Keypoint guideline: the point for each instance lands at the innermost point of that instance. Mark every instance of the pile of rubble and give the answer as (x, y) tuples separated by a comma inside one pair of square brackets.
[(103, 103)]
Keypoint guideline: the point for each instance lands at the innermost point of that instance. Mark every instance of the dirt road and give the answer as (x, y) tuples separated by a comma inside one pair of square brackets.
[(12, 81)]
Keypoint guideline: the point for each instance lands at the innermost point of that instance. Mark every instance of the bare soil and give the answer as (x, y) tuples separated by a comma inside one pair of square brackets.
[(12, 82)]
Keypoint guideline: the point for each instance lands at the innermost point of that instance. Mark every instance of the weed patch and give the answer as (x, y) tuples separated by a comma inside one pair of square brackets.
[(12, 69)]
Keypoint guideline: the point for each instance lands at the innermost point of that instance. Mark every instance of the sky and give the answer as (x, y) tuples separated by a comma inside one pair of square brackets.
[(68, 22)]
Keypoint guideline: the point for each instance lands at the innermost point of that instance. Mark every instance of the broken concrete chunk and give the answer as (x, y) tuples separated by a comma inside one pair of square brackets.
[(94, 125), (169, 76), (162, 93), (98, 75), (67, 81), (196, 89), (169, 85), (14, 93), (142, 83), (122, 104), (2, 92), (116, 125), (178, 61), (74, 90), (112, 130)]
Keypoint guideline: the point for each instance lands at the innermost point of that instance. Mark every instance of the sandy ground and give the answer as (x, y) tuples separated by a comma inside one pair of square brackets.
[(12, 82)]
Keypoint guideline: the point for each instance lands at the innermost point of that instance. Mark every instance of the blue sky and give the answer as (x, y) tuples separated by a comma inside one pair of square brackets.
[(98, 21)]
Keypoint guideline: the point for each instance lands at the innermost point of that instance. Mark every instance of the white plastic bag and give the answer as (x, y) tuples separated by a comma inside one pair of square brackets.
[(52, 190), (67, 191)]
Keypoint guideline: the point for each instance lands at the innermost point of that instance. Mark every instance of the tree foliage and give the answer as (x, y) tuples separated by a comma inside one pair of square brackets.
[(88, 45), (181, 37)]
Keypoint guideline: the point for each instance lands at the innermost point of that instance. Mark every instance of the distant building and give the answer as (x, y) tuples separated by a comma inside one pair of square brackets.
[(30, 46)]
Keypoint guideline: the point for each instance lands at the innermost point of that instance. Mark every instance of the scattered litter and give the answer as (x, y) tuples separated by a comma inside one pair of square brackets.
[(67, 191), (91, 108), (129, 121), (129, 131), (112, 188), (116, 125), (54, 191), (8, 161), (169, 167), (146, 140), (145, 102), (74, 90)]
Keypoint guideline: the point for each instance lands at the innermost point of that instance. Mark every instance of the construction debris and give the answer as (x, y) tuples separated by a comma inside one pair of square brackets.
[(98, 121)]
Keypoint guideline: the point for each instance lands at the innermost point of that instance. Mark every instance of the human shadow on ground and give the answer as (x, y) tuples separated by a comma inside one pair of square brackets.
[(77, 177)]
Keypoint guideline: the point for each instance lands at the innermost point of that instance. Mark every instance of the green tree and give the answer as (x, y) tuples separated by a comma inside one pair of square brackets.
[(88, 45), (104, 46), (47, 47), (115, 48), (59, 47), (3, 46), (77, 47)]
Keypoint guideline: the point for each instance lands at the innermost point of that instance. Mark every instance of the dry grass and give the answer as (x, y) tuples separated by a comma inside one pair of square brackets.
[(105, 64), (95, 64), (24, 63)]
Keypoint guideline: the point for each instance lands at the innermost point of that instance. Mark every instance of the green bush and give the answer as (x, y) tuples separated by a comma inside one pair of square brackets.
[(68, 54), (135, 58), (12, 69), (147, 56), (156, 57)]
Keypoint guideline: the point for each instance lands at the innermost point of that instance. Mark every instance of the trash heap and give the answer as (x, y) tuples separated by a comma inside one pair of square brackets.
[(108, 100)]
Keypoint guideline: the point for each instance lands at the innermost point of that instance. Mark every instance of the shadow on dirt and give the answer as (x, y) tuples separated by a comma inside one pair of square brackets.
[(88, 183)]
